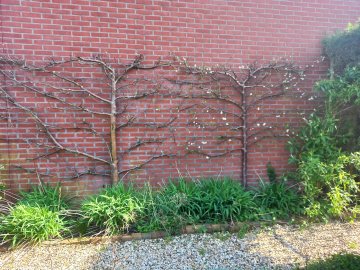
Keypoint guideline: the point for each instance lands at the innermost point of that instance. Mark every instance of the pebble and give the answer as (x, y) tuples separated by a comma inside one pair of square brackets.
[(186, 252), (278, 247)]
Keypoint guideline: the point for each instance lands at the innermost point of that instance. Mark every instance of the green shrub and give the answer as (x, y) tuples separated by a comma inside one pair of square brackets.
[(342, 100), (330, 188), (46, 196), (182, 202), (171, 207), (225, 200), (343, 48), (336, 262), (277, 200), (316, 138), (30, 223), (113, 210)]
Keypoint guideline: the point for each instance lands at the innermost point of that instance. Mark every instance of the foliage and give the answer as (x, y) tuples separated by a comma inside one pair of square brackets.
[(113, 210), (46, 196), (171, 207), (325, 149), (335, 262), (330, 188), (30, 223), (184, 202), (315, 139), (277, 201), (225, 200), (342, 97), (343, 48)]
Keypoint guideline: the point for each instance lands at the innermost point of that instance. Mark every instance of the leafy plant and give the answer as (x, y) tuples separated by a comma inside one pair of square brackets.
[(183, 202), (315, 139), (225, 200), (336, 262), (330, 188), (30, 223), (46, 196), (343, 48), (171, 207), (113, 210), (277, 200)]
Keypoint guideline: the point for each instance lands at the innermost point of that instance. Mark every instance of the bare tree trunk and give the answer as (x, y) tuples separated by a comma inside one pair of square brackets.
[(113, 133), (244, 139)]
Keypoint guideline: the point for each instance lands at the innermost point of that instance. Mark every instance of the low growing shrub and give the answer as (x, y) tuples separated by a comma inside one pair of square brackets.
[(275, 199), (30, 223), (113, 210)]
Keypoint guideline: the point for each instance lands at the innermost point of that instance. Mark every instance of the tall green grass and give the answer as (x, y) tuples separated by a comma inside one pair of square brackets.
[(47, 196), (26, 223), (113, 210), (182, 202)]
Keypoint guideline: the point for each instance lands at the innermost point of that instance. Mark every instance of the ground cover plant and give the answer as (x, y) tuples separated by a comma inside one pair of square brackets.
[(46, 196)]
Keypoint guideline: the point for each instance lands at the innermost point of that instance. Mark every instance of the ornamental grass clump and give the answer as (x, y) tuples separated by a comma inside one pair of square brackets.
[(275, 199), (113, 210), (225, 200), (46, 196), (180, 203), (34, 224)]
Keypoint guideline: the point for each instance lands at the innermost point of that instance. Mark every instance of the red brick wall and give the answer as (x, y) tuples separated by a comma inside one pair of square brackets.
[(211, 32)]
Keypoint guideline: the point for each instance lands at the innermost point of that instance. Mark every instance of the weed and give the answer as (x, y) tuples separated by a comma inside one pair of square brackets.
[(352, 245), (222, 236), (202, 251), (243, 231)]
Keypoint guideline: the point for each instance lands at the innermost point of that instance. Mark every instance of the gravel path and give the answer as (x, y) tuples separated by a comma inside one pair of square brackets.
[(278, 247)]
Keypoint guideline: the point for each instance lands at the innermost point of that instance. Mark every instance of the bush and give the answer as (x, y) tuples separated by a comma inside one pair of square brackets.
[(113, 210), (46, 196), (30, 223), (225, 200), (343, 48), (277, 200), (336, 262), (330, 188)]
